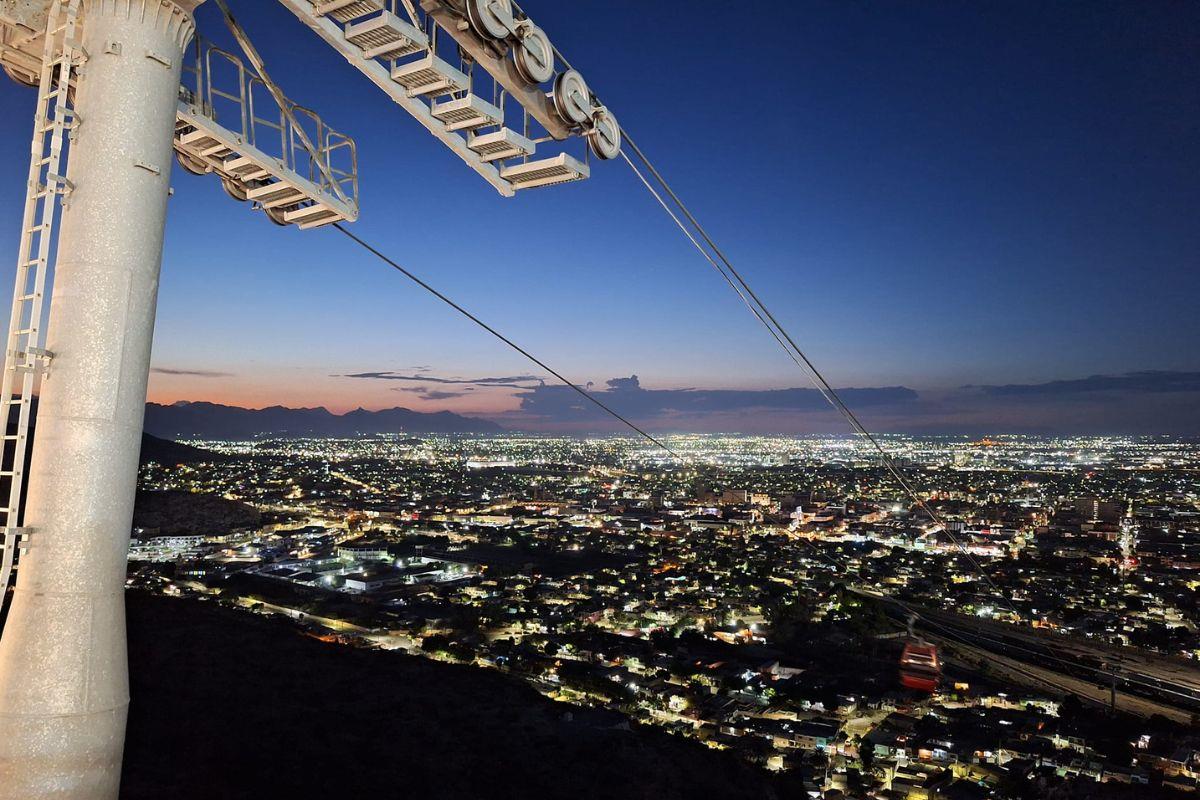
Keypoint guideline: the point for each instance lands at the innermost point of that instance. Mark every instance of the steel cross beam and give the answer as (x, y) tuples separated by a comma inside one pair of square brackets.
[(335, 37), (532, 98), (256, 61)]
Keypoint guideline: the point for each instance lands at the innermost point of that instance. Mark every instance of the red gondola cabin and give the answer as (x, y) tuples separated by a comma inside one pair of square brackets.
[(920, 667)]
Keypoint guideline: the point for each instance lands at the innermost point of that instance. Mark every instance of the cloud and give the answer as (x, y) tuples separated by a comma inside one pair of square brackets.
[(561, 403), (434, 394), (620, 384), (1135, 403), (1129, 383), (508, 381), (191, 373)]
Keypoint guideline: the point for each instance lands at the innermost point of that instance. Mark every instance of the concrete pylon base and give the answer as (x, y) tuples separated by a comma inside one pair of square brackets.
[(64, 687)]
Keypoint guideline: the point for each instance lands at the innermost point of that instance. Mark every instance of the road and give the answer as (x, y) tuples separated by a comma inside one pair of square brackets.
[(389, 640), (1148, 683), (1032, 675)]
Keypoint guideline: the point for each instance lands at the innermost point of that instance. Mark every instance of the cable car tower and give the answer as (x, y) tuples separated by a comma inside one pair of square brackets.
[(121, 87)]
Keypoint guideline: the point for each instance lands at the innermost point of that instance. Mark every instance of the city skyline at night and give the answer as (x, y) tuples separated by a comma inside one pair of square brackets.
[(508, 399)]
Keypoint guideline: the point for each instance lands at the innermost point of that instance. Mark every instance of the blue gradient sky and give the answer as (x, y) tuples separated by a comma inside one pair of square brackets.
[(930, 195)]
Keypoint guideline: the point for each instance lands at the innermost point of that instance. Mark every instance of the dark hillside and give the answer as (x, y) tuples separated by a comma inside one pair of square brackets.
[(177, 513), (169, 453), (229, 705)]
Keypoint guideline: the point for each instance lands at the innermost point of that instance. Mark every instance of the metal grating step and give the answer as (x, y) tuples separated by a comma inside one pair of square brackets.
[(312, 216), (547, 172), (379, 72), (246, 168), (279, 186), (346, 10), (430, 76), (467, 113), (386, 36), (202, 143), (276, 195), (501, 144)]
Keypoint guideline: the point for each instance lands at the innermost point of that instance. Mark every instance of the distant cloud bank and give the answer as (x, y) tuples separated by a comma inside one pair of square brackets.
[(508, 381), (1130, 382), (558, 403), (191, 373), (1141, 403)]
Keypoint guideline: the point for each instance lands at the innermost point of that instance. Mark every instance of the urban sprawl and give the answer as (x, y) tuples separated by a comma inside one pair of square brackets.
[(755, 593)]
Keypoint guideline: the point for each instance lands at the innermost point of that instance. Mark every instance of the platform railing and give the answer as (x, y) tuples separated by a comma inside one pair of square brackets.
[(220, 86)]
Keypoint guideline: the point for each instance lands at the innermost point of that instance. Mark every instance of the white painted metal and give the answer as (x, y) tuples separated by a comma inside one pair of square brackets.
[(535, 55), (572, 98), (25, 352), (63, 672), (380, 74), (605, 135), (386, 36), (501, 144), (440, 95), (22, 23), (430, 77), (492, 19), (467, 113), (502, 69), (291, 112), (546, 172), (346, 10), (259, 150)]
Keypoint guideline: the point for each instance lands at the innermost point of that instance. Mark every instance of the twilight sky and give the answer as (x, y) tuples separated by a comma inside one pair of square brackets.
[(986, 212)]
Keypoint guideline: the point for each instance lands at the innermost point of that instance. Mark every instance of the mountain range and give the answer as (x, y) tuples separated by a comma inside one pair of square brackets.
[(214, 421)]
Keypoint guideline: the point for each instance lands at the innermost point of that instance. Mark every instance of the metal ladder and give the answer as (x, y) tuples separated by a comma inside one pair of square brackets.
[(25, 356)]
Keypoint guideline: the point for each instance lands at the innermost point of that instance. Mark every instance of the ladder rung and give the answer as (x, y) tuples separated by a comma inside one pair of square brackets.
[(18, 536), (43, 227), (58, 183)]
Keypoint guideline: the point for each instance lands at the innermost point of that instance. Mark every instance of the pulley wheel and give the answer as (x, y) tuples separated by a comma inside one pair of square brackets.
[(235, 189), (572, 99), (276, 216), (20, 77), (491, 19), (534, 55), (605, 136), (194, 165)]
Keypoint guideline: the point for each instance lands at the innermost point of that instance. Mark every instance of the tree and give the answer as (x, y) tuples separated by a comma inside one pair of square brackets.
[(866, 754), (1118, 751), (435, 643), (1070, 709)]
